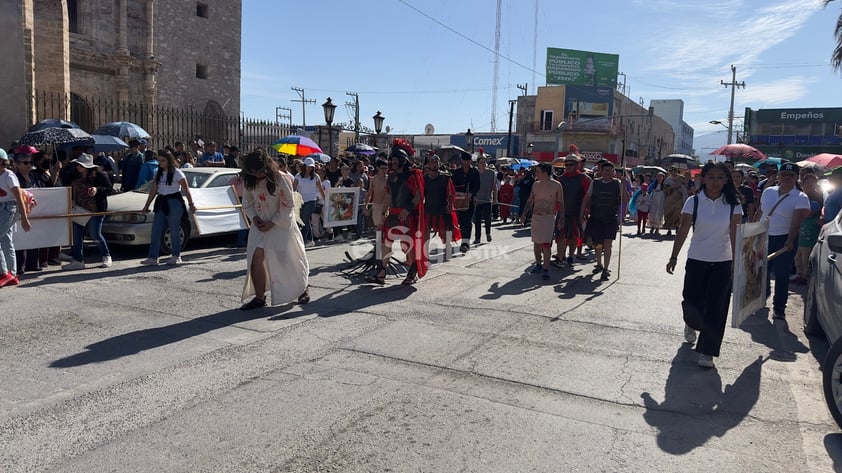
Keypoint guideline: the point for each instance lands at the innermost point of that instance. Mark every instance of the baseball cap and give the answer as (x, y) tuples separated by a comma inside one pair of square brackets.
[(309, 162), (3, 155), (25, 150), (142, 141), (788, 167)]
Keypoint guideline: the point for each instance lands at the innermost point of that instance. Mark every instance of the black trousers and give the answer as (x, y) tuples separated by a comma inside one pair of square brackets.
[(707, 286), (482, 214), (466, 218)]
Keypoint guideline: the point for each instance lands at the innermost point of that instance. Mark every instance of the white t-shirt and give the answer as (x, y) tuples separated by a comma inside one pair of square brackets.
[(164, 189), (782, 218), (308, 187), (8, 180), (711, 240)]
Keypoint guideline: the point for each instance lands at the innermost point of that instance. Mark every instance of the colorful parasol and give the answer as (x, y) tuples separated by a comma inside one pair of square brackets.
[(739, 150), (295, 145)]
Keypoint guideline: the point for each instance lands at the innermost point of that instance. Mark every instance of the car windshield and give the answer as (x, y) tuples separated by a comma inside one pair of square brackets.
[(194, 180)]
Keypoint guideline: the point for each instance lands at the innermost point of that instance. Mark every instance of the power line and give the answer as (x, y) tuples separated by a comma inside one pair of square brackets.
[(454, 31)]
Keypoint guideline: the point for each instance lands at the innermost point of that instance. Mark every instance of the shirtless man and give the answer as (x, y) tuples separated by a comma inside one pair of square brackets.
[(377, 197), (546, 203)]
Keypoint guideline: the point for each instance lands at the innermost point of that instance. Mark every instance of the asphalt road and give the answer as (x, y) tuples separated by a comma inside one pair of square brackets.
[(481, 367)]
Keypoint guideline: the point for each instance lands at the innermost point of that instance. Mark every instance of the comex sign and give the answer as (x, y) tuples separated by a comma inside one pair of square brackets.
[(484, 141)]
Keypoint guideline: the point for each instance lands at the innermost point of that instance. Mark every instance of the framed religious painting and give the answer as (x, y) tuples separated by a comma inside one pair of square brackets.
[(342, 206)]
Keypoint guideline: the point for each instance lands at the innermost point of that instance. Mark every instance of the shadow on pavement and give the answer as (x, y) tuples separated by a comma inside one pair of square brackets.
[(343, 301), (774, 334), (140, 340), (833, 445), (527, 282), (695, 408)]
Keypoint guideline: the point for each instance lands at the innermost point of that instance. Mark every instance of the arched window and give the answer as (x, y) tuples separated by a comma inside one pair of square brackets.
[(213, 123), (81, 113)]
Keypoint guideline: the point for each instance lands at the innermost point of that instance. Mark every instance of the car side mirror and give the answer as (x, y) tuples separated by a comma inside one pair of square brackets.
[(834, 242)]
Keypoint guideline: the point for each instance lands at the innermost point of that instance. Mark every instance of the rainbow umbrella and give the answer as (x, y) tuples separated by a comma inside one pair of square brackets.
[(295, 145)]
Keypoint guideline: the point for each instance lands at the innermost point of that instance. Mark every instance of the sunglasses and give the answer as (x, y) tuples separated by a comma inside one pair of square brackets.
[(24, 162), (570, 165), (786, 174)]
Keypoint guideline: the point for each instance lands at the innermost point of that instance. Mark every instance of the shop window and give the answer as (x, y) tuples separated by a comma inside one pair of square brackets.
[(546, 120), (73, 16), (202, 10)]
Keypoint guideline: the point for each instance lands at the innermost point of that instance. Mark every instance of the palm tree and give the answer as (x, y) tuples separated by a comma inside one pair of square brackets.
[(836, 59)]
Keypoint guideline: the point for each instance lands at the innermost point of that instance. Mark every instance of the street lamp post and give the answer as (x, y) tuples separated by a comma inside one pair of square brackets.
[(378, 125), (558, 130), (469, 137), (717, 122), (329, 109)]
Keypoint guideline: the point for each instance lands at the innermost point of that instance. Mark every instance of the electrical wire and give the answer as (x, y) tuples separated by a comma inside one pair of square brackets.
[(454, 31)]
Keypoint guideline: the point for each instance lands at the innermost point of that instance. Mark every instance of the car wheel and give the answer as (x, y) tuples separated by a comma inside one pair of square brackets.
[(811, 311), (166, 240), (832, 381)]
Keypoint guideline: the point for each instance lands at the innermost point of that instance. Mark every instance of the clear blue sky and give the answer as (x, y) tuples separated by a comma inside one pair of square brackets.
[(402, 61)]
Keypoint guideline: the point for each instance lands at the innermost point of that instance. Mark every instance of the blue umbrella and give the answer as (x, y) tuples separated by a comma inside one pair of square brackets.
[(102, 144), (361, 148), (319, 157), (771, 160), (122, 130), (53, 123)]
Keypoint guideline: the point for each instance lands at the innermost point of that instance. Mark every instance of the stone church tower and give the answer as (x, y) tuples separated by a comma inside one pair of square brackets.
[(179, 54)]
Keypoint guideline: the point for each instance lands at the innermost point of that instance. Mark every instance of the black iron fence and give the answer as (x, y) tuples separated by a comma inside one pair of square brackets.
[(166, 125)]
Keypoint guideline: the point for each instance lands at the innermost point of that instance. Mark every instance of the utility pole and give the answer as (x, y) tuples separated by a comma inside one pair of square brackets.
[(523, 88), (509, 137), (304, 103), (279, 115), (734, 84), (356, 105)]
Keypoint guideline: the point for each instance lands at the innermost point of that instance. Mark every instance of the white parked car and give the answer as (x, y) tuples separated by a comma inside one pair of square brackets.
[(135, 227)]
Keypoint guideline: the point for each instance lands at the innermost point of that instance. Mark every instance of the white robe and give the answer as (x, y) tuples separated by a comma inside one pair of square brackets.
[(285, 260)]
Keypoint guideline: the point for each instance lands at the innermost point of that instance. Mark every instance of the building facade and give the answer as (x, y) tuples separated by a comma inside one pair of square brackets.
[(672, 111), (600, 121), (64, 58), (794, 133)]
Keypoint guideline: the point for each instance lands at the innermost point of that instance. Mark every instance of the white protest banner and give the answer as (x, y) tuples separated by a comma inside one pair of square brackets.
[(51, 225), (218, 210)]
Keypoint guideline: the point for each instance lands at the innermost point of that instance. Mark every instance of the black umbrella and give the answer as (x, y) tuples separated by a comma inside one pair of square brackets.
[(57, 136), (362, 149), (53, 123), (451, 154)]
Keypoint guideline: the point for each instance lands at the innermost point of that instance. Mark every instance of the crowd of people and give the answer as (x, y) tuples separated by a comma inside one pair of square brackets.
[(403, 200)]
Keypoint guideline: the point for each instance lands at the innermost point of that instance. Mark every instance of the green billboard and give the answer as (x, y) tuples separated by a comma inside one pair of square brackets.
[(573, 67)]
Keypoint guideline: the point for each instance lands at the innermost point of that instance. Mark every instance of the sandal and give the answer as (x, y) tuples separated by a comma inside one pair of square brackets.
[(410, 280), (254, 304), (380, 278), (304, 298)]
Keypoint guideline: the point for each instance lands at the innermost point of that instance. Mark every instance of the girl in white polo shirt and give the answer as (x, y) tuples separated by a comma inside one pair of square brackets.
[(714, 214)]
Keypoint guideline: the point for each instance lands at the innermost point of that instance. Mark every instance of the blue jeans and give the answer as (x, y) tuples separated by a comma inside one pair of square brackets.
[(307, 217), (160, 223), (8, 261), (94, 230), (781, 267)]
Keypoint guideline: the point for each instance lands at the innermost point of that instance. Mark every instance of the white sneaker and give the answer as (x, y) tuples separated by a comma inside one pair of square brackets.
[(689, 334), (65, 258), (150, 262), (73, 265), (706, 361), (309, 244), (106, 262), (173, 260)]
